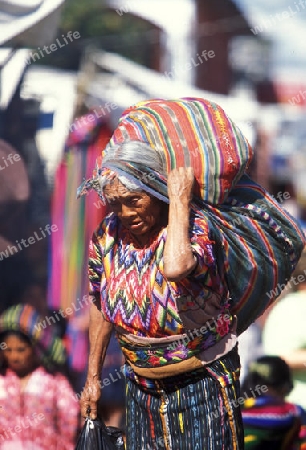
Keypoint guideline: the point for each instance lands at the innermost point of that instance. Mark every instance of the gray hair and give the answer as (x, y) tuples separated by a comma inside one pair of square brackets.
[(133, 152)]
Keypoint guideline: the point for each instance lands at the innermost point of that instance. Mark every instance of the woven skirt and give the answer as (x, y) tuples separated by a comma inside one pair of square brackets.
[(195, 411)]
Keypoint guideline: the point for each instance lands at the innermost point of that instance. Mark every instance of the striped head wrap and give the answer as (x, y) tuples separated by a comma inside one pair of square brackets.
[(25, 319)]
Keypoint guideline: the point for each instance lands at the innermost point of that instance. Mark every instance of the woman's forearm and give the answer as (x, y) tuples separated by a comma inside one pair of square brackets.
[(99, 335), (179, 259)]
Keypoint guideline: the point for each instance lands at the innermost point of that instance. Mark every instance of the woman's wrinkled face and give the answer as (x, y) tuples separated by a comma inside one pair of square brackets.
[(18, 354), (139, 212)]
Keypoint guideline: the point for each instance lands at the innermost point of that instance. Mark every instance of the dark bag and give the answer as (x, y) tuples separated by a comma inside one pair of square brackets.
[(95, 435)]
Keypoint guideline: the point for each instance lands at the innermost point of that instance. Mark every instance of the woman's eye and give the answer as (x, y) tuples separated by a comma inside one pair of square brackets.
[(133, 201)]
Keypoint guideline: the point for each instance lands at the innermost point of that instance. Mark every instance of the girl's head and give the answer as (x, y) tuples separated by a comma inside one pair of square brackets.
[(27, 341), (271, 371), (18, 352)]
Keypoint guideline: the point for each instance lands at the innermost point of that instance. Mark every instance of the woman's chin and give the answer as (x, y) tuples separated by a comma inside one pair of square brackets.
[(19, 370)]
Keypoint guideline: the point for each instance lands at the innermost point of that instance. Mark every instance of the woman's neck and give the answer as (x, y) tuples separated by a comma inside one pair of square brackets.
[(144, 240)]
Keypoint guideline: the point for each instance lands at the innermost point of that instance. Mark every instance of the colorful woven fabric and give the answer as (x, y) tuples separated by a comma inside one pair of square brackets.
[(193, 411), (271, 424), (134, 291), (76, 220), (137, 298), (189, 132), (159, 355), (47, 345), (256, 244)]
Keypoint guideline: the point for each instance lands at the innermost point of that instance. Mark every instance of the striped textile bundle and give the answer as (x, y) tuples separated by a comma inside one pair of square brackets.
[(25, 319), (190, 132), (257, 242)]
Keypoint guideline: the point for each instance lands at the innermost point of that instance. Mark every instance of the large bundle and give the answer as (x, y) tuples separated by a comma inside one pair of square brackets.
[(257, 243)]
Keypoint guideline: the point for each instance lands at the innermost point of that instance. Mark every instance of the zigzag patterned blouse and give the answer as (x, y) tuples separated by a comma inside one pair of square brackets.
[(136, 296)]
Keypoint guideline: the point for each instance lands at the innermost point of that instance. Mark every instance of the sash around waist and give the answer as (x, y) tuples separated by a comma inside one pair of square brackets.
[(159, 358)]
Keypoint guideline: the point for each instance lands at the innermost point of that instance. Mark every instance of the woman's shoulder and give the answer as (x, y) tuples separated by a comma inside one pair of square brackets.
[(108, 226)]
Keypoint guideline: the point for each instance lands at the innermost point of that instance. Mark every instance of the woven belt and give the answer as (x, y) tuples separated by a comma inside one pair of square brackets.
[(220, 370)]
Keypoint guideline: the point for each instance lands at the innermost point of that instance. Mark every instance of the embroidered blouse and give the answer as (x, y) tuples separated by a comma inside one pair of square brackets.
[(192, 314)]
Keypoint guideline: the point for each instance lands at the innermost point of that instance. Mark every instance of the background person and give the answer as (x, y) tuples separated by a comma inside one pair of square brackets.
[(39, 411), (270, 423)]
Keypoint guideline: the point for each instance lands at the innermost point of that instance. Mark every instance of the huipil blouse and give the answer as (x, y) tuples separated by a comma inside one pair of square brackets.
[(163, 327)]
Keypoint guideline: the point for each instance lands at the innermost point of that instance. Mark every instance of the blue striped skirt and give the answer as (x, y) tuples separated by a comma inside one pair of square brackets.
[(198, 410)]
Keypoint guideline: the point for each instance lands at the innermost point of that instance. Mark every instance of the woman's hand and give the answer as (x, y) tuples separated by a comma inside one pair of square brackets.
[(89, 398), (180, 184)]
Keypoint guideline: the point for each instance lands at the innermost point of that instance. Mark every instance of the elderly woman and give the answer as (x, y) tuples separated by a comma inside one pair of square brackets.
[(164, 267)]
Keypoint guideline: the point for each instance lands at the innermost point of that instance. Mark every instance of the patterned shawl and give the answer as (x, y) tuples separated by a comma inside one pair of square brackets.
[(256, 241)]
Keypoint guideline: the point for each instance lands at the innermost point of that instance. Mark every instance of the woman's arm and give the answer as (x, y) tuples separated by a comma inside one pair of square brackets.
[(99, 335), (179, 259)]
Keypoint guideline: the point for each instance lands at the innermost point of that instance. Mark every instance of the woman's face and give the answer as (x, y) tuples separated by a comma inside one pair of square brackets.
[(18, 354), (139, 212)]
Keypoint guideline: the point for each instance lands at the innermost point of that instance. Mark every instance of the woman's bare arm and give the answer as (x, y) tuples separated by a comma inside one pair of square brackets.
[(99, 336), (179, 260)]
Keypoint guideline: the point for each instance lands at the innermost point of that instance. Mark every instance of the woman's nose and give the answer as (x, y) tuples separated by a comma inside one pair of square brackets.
[(127, 212), (14, 357)]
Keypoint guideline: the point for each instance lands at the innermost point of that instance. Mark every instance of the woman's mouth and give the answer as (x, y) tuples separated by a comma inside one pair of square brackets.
[(135, 226), (15, 365)]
